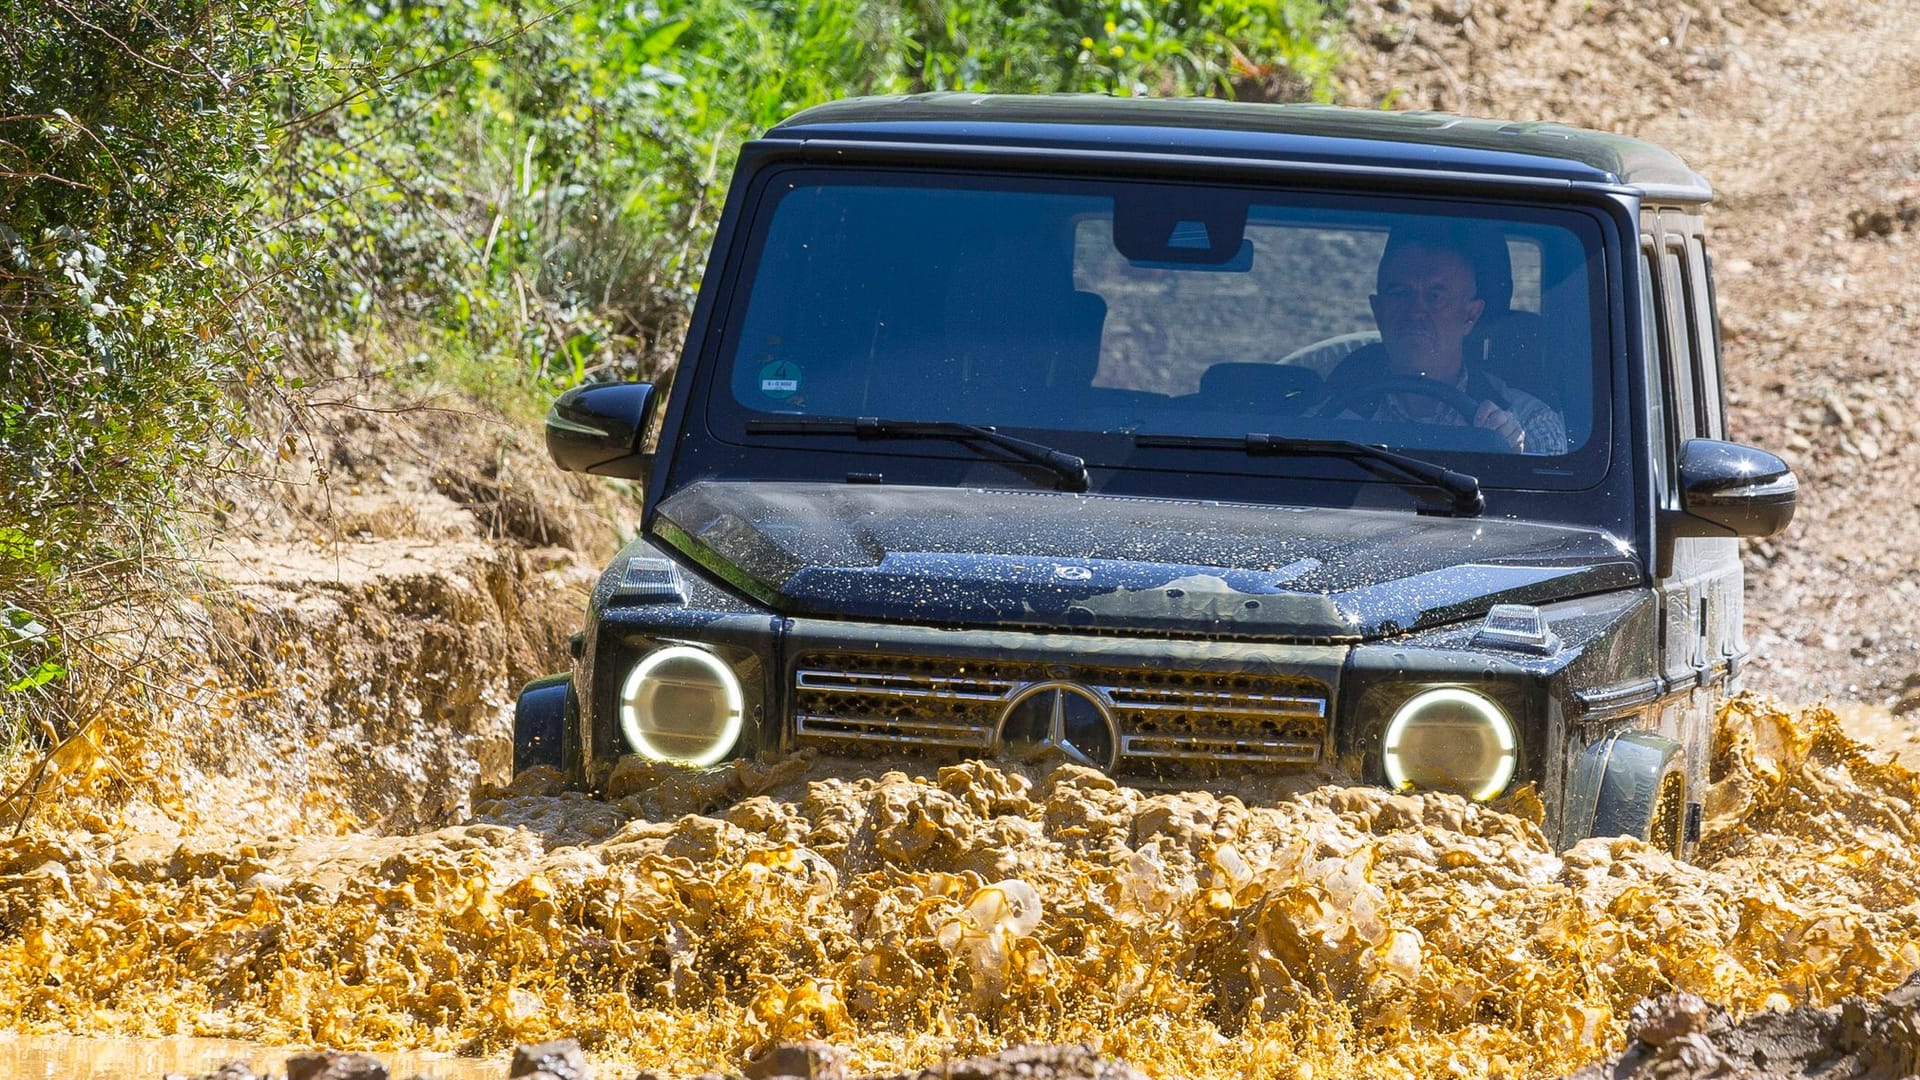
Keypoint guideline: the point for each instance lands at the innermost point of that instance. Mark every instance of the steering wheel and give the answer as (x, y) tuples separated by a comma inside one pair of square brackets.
[(1342, 398)]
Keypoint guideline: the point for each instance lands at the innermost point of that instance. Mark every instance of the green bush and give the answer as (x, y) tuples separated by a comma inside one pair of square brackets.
[(1263, 49), (130, 138), (515, 198)]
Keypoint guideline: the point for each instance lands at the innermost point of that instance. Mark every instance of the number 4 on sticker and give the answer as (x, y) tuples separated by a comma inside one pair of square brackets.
[(780, 380)]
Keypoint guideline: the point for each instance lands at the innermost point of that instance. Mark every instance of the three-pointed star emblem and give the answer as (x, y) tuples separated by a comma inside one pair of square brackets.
[(1061, 718)]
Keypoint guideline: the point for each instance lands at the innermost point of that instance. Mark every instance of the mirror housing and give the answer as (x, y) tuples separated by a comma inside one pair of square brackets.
[(1727, 489), (598, 429)]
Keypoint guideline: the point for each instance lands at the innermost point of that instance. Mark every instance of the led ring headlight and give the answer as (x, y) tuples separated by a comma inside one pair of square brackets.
[(683, 705), (1450, 739)]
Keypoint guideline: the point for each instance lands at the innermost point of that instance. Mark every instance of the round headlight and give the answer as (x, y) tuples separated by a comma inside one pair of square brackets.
[(1449, 739), (683, 705)]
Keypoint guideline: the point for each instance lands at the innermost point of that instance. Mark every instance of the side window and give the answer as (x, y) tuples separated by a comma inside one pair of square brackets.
[(1659, 426), (1525, 257), (1706, 327), (1676, 350)]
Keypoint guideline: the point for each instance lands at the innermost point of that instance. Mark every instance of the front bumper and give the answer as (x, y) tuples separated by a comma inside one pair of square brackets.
[(1182, 709)]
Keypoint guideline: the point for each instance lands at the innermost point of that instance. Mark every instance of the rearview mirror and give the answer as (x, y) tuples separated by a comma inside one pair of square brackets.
[(598, 428), (1741, 490)]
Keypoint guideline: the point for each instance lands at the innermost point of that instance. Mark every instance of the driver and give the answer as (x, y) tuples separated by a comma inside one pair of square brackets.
[(1427, 303)]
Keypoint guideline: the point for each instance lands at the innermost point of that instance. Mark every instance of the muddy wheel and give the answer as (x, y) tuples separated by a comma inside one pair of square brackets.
[(546, 726), (1668, 829), (1638, 786)]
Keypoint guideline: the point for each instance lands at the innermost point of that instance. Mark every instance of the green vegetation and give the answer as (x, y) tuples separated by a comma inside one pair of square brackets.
[(130, 136), (514, 198)]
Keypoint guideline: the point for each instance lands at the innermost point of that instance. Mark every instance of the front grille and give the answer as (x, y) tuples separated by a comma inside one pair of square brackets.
[(917, 707), (849, 701)]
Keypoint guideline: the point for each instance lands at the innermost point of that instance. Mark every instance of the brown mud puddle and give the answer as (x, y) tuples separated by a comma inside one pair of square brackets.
[(68, 1057), (701, 918)]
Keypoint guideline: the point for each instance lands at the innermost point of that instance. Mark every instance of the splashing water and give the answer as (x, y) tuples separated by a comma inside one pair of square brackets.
[(700, 918)]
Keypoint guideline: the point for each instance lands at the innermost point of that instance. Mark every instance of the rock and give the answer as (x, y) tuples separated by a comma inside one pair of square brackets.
[(560, 1059), (1867, 223), (1909, 700), (1838, 413), (810, 1060), (335, 1065), (1883, 220), (1680, 1037), (232, 1070), (1659, 1021)]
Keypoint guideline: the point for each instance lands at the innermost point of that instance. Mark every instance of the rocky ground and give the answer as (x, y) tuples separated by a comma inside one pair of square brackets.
[(1680, 1035)]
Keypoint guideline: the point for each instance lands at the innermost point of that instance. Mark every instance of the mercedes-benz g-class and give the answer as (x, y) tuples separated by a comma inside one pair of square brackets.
[(1180, 439)]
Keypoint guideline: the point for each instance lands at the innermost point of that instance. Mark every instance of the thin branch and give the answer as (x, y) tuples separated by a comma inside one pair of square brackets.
[(25, 177), (134, 53), (32, 780), (312, 210), (75, 123), (402, 410)]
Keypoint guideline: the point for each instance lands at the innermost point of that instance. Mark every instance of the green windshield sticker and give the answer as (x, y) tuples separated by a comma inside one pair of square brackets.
[(780, 380)]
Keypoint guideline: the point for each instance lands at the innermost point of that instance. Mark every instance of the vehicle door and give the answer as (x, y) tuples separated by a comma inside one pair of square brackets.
[(1698, 579)]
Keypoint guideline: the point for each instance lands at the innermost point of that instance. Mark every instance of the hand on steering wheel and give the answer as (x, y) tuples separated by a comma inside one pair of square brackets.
[(1502, 423), (1483, 415)]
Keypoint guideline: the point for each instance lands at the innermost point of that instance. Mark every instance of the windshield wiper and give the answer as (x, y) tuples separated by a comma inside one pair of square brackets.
[(1070, 470), (1463, 489)]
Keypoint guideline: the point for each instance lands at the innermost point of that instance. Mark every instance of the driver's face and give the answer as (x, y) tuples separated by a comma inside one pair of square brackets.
[(1424, 309)]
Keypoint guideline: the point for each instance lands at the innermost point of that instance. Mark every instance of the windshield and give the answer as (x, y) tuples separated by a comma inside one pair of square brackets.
[(1133, 312)]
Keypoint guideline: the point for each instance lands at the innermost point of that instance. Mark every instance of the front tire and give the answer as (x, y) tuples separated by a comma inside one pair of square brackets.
[(546, 726)]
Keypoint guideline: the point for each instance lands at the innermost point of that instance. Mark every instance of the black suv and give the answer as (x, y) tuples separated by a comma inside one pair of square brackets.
[(1185, 439)]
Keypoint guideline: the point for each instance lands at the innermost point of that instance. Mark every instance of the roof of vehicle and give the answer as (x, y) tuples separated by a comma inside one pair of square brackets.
[(1328, 134)]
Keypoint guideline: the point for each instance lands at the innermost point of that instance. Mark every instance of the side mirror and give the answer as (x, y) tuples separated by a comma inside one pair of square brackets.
[(597, 429), (1731, 490)]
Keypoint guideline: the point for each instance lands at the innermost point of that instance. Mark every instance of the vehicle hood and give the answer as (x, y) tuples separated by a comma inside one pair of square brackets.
[(990, 558)]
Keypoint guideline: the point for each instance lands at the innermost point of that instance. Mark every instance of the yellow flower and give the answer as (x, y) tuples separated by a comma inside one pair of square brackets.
[(1086, 43), (1117, 51), (1111, 28)]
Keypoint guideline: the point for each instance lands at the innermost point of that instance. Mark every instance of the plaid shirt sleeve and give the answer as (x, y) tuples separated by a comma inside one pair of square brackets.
[(1546, 431)]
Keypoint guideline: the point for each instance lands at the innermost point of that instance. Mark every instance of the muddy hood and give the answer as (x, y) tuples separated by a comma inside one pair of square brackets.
[(987, 558)]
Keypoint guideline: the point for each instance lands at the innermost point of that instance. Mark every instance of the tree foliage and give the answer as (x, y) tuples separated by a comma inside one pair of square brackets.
[(130, 137), (520, 196)]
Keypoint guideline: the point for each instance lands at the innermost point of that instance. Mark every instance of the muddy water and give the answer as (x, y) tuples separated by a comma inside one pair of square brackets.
[(1340, 931), (67, 1057)]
